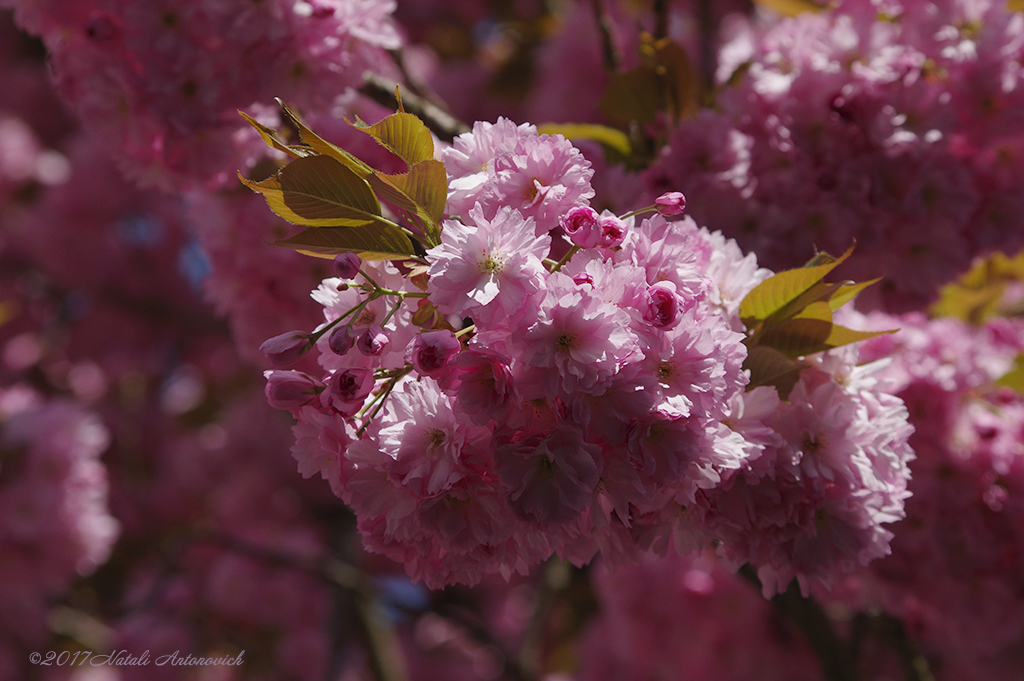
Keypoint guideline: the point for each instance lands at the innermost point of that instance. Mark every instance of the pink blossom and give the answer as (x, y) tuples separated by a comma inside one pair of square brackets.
[(372, 341), (346, 390), (486, 390), (671, 203), (550, 477), (289, 390), (341, 340), (346, 265), (583, 226), (662, 305), (286, 349), (487, 270), (432, 351)]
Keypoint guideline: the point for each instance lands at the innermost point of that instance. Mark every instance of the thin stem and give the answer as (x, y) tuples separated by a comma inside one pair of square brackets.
[(565, 258), (439, 121), (316, 335), (468, 329), (638, 211)]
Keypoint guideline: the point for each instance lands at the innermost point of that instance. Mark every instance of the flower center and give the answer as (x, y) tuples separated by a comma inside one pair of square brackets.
[(492, 264), (566, 341), (435, 437)]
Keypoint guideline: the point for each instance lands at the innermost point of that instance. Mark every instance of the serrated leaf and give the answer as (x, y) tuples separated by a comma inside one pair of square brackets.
[(423, 190), (322, 146), (777, 292), (318, 191), (271, 139), (404, 135), (790, 8), (848, 292), (797, 337), (379, 241), (609, 138), (770, 367), (841, 336)]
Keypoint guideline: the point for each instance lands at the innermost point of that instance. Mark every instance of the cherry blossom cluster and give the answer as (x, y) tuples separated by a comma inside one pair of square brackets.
[(956, 573), (558, 380), (896, 123)]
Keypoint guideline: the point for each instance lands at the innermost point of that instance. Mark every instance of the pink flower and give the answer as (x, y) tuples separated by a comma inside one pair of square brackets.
[(346, 265), (550, 477), (347, 389), (288, 390), (582, 224), (432, 351), (486, 390), (341, 340), (487, 270), (671, 203), (662, 310), (286, 349), (373, 341)]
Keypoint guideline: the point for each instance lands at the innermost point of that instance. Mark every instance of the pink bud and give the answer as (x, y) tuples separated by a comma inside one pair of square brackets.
[(581, 278), (662, 305), (347, 389), (341, 340), (373, 341), (671, 203), (432, 351), (288, 390), (581, 224), (346, 265), (613, 232), (287, 349)]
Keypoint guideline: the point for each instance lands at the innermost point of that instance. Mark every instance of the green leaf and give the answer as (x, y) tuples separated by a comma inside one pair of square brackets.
[(272, 140), (319, 192), (379, 241), (423, 190), (770, 367), (404, 135), (848, 292), (790, 8), (321, 146), (609, 138), (775, 294)]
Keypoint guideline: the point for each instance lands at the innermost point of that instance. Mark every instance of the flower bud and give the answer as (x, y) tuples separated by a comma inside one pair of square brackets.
[(662, 305), (346, 265), (581, 224), (671, 203), (288, 390), (341, 340), (373, 341), (613, 231), (432, 351), (287, 349)]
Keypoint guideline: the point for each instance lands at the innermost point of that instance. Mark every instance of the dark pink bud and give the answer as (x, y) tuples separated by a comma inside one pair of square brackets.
[(373, 341), (432, 351), (613, 232), (581, 224), (287, 349), (662, 305), (346, 265), (288, 390), (341, 340), (671, 203)]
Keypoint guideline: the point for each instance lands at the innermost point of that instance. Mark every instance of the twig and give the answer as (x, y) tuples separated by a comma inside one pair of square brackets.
[(440, 122), (604, 26)]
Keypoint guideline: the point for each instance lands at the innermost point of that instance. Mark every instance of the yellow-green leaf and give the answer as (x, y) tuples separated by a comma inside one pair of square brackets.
[(272, 140), (378, 241), (318, 191), (423, 190), (609, 138), (770, 367), (841, 336), (797, 337), (321, 146), (978, 294), (404, 135), (777, 292), (847, 292), (790, 8)]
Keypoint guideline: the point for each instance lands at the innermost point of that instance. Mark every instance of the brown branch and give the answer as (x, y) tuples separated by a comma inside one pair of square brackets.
[(609, 57), (439, 121)]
